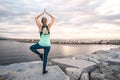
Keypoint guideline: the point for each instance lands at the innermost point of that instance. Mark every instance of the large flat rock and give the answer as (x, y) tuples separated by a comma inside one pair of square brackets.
[(31, 71), (83, 64)]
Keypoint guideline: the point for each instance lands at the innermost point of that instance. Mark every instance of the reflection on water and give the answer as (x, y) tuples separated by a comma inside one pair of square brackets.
[(12, 51), (66, 50), (83, 49)]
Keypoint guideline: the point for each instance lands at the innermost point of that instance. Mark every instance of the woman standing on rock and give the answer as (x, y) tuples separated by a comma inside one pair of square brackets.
[(44, 42)]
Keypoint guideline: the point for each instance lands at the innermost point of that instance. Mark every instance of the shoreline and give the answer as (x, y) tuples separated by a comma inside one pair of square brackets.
[(65, 41), (105, 61)]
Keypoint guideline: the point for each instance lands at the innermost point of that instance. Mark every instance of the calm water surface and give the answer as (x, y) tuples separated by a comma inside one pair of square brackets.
[(13, 52)]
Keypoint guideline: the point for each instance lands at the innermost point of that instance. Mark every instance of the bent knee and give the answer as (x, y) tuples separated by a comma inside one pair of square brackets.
[(31, 47)]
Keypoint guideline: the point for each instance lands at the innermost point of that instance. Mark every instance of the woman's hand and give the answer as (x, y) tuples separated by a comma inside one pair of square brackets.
[(45, 10)]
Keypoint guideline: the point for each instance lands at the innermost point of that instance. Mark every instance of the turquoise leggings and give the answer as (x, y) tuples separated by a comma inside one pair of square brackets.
[(36, 46)]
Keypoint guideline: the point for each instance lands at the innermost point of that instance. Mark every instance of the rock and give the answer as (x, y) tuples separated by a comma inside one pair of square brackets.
[(106, 73), (113, 61), (100, 52), (6, 74), (49, 63), (118, 57), (84, 76), (114, 53), (22, 66), (102, 64), (102, 55), (104, 59), (82, 64), (73, 58), (74, 73), (87, 57), (1, 79), (31, 73)]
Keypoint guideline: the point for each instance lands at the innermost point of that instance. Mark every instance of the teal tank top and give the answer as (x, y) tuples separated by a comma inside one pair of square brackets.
[(44, 39)]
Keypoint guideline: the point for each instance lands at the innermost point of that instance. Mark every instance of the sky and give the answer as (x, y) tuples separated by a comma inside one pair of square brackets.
[(73, 18)]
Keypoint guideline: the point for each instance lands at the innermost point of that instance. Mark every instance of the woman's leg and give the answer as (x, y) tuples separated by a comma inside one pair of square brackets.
[(34, 48), (46, 51)]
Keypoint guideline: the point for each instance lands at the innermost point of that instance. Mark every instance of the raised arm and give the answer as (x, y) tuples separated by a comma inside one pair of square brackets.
[(37, 21), (52, 19)]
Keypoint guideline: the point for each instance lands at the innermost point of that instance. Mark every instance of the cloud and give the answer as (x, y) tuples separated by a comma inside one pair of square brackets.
[(72, 17)]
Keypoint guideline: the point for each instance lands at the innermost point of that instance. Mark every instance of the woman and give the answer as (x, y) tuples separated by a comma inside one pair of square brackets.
[(44, 42)]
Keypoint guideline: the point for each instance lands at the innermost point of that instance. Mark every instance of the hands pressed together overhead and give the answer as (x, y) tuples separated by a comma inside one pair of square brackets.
[(51, 21), (45, 11)]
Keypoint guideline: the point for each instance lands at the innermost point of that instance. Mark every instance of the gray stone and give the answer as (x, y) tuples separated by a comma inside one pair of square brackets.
[(83, 64), (87, 57), (84, 76), (31, 73), (77, 74), (113, 61), (102, 64), (106, 73), (100, 52), (7, 74), (74, 73), (22, 66), (102, 55)]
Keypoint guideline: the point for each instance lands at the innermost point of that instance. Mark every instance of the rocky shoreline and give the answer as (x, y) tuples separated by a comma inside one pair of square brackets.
[(101, 65), (54, 41), (69, 41)]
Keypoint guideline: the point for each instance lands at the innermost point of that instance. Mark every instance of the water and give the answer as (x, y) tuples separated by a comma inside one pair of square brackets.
[(14, 52)]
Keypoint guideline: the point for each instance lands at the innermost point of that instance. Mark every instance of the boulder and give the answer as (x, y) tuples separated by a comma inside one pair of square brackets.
[(31, 71), (77, 74), (82, 64), (106, 73), (74, 73), (102, 55), (113, 53), (87, 57), (7, 74), (84, 76), (100, 52), (113, 61), (22, 66)]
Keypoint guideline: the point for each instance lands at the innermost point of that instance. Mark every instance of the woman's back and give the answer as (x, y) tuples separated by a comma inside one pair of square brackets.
[(44, 36)]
